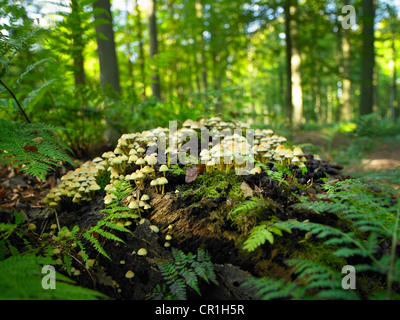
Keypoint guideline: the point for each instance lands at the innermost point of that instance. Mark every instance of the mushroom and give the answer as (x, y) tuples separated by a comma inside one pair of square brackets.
[(163, 169), (129, 275), (142, 252), (154, 183), (140, 162), (162, 181)]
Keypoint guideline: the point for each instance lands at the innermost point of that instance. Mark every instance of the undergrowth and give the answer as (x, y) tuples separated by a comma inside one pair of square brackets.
[(370, 210)]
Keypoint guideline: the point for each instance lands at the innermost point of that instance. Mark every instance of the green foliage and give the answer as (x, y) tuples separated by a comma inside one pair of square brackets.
[(317, 281), (32, 145), (115, 211), (371, 210), (185, 271), (262, 233), (21, 278)]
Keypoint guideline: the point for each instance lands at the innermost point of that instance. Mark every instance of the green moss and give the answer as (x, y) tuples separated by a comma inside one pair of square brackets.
[(317, 251), (103, 179)]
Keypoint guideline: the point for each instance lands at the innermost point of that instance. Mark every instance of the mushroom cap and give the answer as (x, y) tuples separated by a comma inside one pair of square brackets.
[(142, 252), (151, 160), (94, 187), (129, 274), (145, 197), (133, 205), (163, 168), (162, 181), (154, 228)]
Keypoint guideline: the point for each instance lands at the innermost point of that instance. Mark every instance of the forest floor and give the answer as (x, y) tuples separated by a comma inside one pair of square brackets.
[(191, 219), (381, 155)]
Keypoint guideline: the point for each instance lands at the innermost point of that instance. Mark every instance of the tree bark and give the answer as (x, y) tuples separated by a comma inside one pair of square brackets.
[(367, 57), (294, 98), (289, 100), (297, 90), (77, 45), (141, 51), (109, 73), (346, 91), (155, 83), (393, 87)]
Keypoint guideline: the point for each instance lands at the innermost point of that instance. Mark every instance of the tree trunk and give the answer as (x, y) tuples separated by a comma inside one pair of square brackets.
[(294, 99), (289, 100), (200, 40), (346, 91), (367, 57), (77, 45), (393, 87), (155, 78), (297, 95), (106, 46), (141, 51)]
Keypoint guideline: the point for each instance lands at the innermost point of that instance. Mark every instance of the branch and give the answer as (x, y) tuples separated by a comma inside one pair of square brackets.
[(16, 100)]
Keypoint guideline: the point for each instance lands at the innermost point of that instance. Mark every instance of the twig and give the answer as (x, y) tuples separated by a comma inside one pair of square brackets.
[(16, 100)]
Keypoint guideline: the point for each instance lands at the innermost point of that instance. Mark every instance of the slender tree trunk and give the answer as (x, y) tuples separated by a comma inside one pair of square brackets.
[(77, 45), (141, 50), (106, 47), (128, 45), (346, 91), (393, 87), (367, 57), (297, 95), (294, 99), (155, 83), (289, 100), (200, 40)]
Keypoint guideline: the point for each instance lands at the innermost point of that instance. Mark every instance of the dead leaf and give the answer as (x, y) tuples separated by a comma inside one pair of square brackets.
[(193, 171), (247, 191), (27, 147)]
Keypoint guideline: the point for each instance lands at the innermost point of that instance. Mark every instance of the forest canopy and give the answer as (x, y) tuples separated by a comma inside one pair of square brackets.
[(125, 65)]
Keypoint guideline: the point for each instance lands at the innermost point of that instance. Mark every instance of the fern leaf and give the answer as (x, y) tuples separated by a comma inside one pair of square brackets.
[(96, 244), (258, 236)]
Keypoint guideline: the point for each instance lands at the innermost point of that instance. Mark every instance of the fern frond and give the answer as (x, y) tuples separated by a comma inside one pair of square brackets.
[(18, 147), (96, 244), (21, 278), (245, 207), (258, 236)]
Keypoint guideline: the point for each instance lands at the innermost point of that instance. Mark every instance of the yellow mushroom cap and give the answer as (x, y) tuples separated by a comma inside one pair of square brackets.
[(142, 252), (154, 228), (129, 274)]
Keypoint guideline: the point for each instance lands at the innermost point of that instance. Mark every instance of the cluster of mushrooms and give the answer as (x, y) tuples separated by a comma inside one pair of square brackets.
[(135, 159)]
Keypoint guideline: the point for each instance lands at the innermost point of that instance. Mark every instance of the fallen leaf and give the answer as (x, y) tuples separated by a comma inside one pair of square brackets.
[(27, 147), (2, 193), (193, 171), (247, 191)]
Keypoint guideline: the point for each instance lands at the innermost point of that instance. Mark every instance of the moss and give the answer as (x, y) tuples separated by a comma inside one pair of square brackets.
[(212, 185), (317, 251), (103, 179)]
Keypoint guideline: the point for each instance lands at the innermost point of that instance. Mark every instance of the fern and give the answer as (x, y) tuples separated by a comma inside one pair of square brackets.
[(262, 233), (314, 281), (245, 207), (34, 146), (372, 210), (114, 211), (185, 270), (21, 277)]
